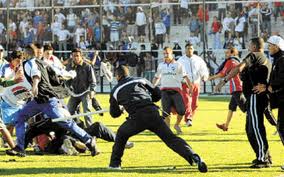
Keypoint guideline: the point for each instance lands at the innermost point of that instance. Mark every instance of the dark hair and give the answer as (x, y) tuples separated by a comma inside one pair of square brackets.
[(188, 45), (258, 42), (167, 47), (15, 55), (122, 71), (234, 51), (29, 50), (38, 45), (47, 47), (75, 50)]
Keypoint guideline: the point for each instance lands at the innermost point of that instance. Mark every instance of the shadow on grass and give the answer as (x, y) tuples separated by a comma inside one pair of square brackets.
[(134, 169), (97, 170)]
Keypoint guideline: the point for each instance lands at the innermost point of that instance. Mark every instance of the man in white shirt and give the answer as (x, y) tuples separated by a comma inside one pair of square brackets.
[(71, 20), (196, 70), (171, 74), (60, 17), (63, 35), (141, 23), (228, 25)]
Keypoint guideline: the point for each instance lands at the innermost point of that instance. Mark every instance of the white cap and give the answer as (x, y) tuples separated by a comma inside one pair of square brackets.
[(1, 47), (278, 41)]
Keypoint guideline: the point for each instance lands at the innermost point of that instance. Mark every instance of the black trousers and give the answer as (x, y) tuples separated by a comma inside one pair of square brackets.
[(148, 118), (280, 122), (97, 129), (255, 128)]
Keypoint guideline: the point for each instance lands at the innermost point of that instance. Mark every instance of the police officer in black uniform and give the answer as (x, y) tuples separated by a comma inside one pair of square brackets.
[(137, 95), (255, 68)]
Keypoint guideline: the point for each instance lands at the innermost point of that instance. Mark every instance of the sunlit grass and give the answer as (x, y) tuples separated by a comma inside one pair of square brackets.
[(226, 153)]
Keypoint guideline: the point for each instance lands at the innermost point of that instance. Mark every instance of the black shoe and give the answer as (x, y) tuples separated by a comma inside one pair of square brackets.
[(202, 167), (261, 164), (269, 160), (37, 150), (16, 151), (92, 146)]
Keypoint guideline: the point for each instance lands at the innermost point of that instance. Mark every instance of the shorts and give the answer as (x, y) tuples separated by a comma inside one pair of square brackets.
[(237, 99), (8, 113), (2, 125), (114, 36), (141, 30), (172, 98), (160, 38)]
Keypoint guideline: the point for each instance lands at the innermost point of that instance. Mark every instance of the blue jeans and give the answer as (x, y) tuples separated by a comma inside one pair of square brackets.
[(52, 110)]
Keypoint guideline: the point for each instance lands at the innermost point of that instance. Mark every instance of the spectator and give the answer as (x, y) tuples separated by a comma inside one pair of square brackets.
[(221, 10), (55, 26), (228, 25), (166, 17), (216, 29), (194, 26), (176, 13), (79, 31), (277, 10), (60, 16), (115, 26), (253, 20), (240, 21), (130, 21), (141, 61), (177, 50), (12, 27), (132, 61), (141, 22), (97, 32), (71, 20), (160, 31), (266, 13), (63, 36), (200, 18)]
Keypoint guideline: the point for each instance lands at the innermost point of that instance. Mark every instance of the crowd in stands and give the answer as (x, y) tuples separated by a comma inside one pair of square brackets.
[(120, 25)]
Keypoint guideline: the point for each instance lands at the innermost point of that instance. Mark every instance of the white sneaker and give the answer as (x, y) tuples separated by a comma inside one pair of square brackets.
[(189, 123), (68, 148), (178, 129), (129, 145), (114, 168)]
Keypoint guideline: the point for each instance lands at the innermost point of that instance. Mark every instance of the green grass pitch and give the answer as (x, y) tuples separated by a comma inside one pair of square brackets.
[(227, 154)]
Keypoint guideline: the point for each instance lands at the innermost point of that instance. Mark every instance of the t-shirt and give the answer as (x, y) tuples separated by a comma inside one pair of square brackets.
[(16, 95), (170, 74), (257, 70), (235, 82)]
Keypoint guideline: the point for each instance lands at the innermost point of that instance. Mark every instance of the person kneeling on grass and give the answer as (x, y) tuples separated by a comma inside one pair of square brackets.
[(137, 95)]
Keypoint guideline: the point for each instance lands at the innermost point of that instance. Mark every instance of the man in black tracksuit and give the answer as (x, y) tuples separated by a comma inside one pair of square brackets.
[(255, 68), (275, 87), (137, 95)]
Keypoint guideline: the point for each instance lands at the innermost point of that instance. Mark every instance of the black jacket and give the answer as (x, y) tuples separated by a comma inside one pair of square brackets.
[(84, 80), (132, 94), (277, 75), (257, 71)]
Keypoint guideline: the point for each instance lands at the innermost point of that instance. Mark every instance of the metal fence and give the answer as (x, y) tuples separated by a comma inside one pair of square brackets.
[(134, 26)]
